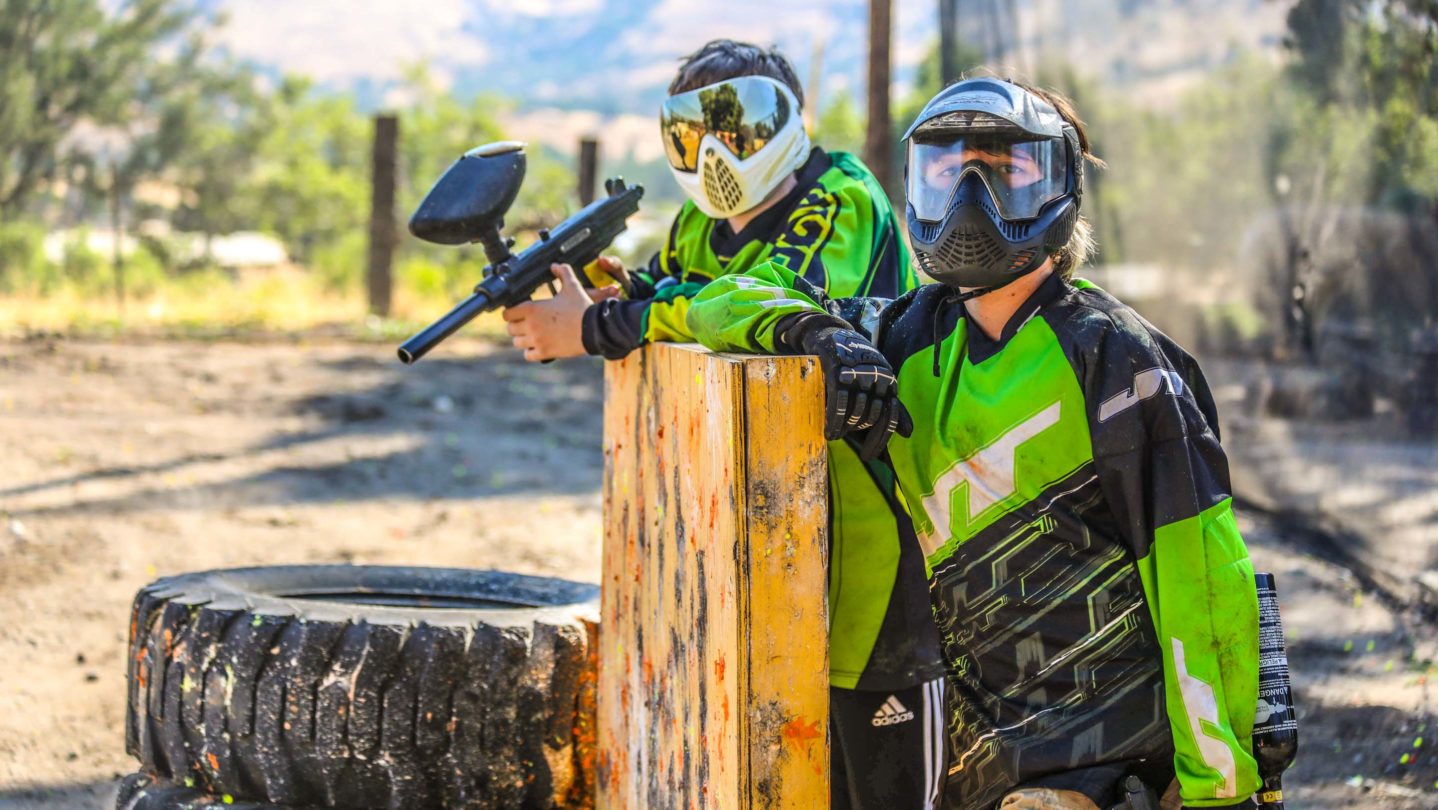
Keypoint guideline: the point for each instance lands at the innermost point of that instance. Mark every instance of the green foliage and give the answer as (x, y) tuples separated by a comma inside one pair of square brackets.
[(144, 273), (81, 266), (840, 126), (22, 254), (213, 130), (86, 66), (928, 80), (339, 263), (1180, 185), (1374, 62), (309, 184), (427, 278)]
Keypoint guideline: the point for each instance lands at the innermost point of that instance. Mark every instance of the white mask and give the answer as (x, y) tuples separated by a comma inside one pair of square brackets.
[(720, 182)]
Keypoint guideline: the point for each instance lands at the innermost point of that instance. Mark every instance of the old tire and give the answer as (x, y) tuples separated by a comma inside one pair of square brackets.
[(366, 687)]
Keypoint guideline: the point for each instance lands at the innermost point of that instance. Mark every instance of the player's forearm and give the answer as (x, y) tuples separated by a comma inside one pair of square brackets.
[(612, 329), (740, 313)]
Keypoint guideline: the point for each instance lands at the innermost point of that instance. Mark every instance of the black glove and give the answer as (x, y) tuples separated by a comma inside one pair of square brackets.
[(861, 391)]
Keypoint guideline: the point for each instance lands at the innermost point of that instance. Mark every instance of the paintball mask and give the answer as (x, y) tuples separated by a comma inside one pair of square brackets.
[(732, 142), (993, 180)]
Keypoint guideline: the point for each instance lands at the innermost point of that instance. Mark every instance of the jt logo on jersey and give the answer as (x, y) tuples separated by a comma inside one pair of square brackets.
[(988, 475)]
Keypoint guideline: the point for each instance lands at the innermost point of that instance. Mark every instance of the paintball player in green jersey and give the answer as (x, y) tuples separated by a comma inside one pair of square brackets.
[(1061, 463), (759, 192)]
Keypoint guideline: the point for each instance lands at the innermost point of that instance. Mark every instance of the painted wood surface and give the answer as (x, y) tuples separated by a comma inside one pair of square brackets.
[(713, 655)]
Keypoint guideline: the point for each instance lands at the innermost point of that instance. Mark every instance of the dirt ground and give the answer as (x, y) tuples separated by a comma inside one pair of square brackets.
[(123, 462)]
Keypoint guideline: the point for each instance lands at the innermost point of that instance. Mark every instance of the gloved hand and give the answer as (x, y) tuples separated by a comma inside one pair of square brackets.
[(861, 391)]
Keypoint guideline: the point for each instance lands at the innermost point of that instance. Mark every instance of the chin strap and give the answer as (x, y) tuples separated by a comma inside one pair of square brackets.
[(955, 296)]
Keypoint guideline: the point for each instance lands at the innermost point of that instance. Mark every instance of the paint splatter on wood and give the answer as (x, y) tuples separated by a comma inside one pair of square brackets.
[(714, 542)]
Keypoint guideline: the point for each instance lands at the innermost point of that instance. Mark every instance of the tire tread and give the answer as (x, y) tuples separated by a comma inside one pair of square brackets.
[(285, 709)]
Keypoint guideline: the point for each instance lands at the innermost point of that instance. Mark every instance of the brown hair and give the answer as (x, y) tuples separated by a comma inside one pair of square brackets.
[(726, 59)]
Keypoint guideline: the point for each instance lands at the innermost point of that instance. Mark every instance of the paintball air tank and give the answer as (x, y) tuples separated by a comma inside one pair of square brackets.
[(1275, 727)]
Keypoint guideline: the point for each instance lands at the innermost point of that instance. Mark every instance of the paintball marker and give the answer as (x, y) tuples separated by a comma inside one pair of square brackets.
[(468, 203)]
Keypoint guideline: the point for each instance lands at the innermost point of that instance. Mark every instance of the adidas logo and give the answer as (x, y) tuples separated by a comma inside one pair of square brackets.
[(891, 713)]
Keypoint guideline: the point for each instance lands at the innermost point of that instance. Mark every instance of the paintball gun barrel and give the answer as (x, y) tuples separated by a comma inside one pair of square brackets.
[(468, 203)]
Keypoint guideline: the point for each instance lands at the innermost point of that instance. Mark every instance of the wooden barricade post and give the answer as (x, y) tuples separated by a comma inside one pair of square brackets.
[(383, 230), (713, 662)]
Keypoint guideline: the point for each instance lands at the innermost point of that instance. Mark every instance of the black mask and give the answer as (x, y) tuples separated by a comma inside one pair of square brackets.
[(972, 246)]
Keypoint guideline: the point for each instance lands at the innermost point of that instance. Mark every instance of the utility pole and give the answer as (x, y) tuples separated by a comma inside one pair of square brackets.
[(878, 145), (588, 169), (948, 41), (383, 233)]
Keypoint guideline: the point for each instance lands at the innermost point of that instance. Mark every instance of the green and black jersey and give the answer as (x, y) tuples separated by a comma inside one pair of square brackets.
[(1095, 600), (837, 231)]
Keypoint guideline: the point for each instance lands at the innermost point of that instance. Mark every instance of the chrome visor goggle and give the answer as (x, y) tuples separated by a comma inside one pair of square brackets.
[(1022, 175), (744, 114)]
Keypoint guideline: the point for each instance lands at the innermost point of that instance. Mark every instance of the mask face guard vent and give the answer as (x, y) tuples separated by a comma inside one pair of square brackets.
[(721, 186), (974, 247)]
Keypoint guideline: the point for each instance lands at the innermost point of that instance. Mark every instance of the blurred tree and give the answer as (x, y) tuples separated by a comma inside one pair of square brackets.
[(213, 129), (841, 125), (309, 184), (929, 80), (67, 64), (1356, 163), (1373, 62), (1319, 35)]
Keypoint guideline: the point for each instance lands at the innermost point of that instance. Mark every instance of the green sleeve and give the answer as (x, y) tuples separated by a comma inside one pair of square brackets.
[(1199, 585), (664, 318), (738, 313), (1165, 478)]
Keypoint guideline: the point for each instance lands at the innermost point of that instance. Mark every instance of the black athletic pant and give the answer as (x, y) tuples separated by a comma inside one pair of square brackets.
[(887, 747)]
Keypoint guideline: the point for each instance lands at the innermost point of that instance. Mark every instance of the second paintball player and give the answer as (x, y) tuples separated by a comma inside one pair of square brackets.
[(1061, 460), (759, 192)]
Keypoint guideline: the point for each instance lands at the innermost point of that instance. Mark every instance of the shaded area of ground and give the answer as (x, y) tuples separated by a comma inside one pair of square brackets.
[(120, 463)]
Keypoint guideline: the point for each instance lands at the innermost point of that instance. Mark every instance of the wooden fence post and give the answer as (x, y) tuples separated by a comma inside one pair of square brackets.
[(713, 663), (588, 169), (383, 231)]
